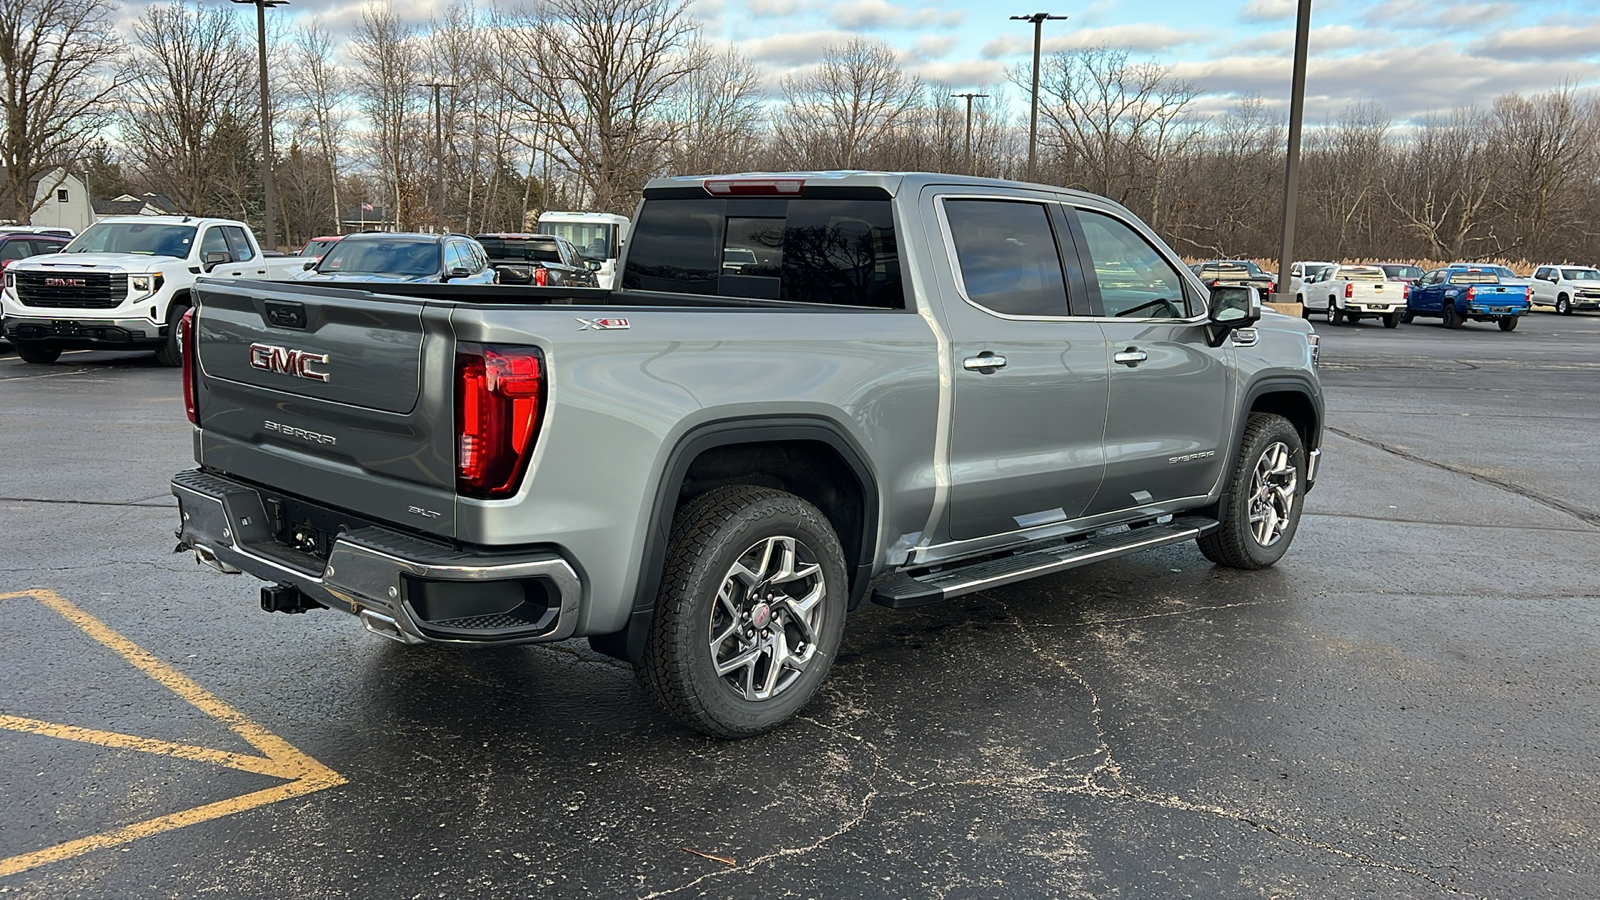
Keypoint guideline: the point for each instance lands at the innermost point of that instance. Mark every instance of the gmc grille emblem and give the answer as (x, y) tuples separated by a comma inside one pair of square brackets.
[(66, 282), (287, 361)]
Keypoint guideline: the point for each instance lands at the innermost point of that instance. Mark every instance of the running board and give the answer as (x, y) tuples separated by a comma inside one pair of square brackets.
[(908, 591)]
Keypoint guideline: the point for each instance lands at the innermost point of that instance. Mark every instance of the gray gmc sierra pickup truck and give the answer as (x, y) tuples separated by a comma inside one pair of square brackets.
[(806, 390)]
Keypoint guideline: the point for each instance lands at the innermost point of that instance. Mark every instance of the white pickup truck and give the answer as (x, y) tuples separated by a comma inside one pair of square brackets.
[(1347, 293), (1566, 288), (124, 283)]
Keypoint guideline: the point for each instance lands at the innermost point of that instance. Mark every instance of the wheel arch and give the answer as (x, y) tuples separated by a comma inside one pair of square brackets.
[(811, 457)]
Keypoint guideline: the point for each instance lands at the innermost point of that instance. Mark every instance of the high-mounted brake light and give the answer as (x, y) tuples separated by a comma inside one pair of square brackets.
[(191, 402), (499, 403), (733, 187)]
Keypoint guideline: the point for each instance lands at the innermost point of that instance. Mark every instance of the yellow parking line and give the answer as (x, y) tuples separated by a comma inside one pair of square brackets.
[(280, 759)]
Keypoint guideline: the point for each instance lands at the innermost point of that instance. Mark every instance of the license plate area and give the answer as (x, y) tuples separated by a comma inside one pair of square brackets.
[(306, 527)]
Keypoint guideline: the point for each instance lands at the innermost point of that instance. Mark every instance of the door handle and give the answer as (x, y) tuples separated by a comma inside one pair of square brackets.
[(982, 361), (1130, 357)]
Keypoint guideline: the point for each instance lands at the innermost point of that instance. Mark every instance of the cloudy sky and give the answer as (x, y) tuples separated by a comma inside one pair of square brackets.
[(1414, 56)]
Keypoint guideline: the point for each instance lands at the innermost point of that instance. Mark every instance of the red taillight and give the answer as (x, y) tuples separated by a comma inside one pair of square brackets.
[(499, 399), (541, 276), (1470, 293), (726, 187), (191, 404), (1349, 290), (1405, 292)]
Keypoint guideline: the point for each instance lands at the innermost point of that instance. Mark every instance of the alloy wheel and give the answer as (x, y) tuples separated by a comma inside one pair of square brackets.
[(1272, 492), (767, 618)]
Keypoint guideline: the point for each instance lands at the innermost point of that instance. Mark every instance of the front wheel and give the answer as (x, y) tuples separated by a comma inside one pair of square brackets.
[(1392, 320), (1509, 323), (1305, 311), (1451, 320), (38, 353), (750, 613), (1563, 305), (1262, 509), (170, 354)]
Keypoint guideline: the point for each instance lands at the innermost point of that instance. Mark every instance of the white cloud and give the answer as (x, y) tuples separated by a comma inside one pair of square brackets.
[(773, 9), (1440, 15), (1004, 45), (866, 14), (963, 74), (933, 17), (933, 46), (1541, 42), (1270, 10), (1144, 37), (796, 49), (1323, 40)]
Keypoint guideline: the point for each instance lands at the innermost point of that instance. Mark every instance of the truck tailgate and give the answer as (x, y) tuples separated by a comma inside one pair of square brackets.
[(324, 393)]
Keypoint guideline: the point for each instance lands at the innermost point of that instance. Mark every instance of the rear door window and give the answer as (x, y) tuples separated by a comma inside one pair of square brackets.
[(803, 250), (1007, 256)]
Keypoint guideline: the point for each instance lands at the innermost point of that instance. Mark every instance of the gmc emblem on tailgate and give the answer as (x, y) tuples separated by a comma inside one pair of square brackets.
[(286, 361)]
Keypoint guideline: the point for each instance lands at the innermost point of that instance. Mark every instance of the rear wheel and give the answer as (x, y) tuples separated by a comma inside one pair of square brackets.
[(170, 353), (1334, 313), (1564, 305), (750, 612), (1392, 320), (1451, 320), (38, 353), (1509, 323), (1262, 510), (1407, 317)]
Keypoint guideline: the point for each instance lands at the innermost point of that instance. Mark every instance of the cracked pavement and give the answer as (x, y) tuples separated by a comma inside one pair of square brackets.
[(1405, 707)]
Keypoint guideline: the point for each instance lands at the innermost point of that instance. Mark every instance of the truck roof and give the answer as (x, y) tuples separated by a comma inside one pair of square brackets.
[(167, 220), (892, 183)]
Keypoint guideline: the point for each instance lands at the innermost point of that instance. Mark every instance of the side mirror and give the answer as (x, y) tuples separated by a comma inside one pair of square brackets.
[(216, 258), (1232, 307), (310, 264), (458, 272), (593, 264)]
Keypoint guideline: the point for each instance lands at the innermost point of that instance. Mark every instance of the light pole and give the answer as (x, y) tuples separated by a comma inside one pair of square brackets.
[(1291, 169), (269, 230), (438, 151), (1038, 20), (969, 98)]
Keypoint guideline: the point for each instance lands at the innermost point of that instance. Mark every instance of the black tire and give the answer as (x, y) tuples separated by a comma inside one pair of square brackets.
[(37, 353), (170, 353), (1392, 320), (1451, 320), (1407, 317), (1564, 305), (1334, 313), (1305, 313), (1236, 544), (1509, 323), (710, 535)]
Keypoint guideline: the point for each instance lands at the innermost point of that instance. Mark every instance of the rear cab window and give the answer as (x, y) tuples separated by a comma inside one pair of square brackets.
[(825, 250)]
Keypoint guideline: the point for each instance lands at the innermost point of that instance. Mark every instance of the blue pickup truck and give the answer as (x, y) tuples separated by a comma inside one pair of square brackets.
[(1460, 293)]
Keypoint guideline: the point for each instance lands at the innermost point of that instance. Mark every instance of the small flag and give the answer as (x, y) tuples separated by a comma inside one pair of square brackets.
[(367, 207)]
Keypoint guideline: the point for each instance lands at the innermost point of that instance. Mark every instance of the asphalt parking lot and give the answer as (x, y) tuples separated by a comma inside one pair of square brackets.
[(1407, 706)]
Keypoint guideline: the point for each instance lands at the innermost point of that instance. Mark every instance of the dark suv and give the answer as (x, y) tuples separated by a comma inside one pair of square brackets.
[(383, 256), (538, 259)]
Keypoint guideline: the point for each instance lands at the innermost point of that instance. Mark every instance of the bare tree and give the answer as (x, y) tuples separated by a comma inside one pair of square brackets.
[(601, 74), (831, 117), (389, 66), (186, 101), (717, 113), (1549, 148), (1441, 187), (321, 90), (53, 54)]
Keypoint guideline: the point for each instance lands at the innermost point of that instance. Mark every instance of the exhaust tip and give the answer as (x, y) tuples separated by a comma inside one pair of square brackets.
[(208, 557), (384, 626)]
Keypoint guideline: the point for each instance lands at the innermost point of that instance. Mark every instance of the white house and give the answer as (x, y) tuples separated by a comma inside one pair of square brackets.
[(63, 201)]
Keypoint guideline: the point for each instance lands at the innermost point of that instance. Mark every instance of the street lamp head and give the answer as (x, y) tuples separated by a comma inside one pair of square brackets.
[(1035, 18), (265, 4)]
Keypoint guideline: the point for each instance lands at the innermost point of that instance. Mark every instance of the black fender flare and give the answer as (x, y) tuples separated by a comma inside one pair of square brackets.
[(1272, 384), (628, 644)]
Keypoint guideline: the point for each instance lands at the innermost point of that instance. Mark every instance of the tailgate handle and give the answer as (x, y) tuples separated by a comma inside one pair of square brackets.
[(286, 314)]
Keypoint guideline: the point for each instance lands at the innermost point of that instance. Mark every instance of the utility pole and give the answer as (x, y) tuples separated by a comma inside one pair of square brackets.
[(438, 152), (1038, 20), (969, 98), (1291, 172), (269, 230)]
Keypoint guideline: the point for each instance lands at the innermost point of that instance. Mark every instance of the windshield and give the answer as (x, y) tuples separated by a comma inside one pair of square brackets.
[(1398, 271), (1581, 274), (153, 239), (593, 239), (381, 257), (1315, 273), (316, 248), (538, 250)]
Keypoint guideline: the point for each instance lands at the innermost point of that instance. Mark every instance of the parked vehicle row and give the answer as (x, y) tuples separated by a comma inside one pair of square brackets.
[(1397, 293), (1220, 272)]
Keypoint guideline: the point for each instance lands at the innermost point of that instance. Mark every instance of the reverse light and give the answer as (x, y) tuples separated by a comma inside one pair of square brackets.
[(729, 187), (499, 404), (191, 402)]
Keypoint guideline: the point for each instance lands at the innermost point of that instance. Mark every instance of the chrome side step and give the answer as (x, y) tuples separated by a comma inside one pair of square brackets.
[(931, 587)]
